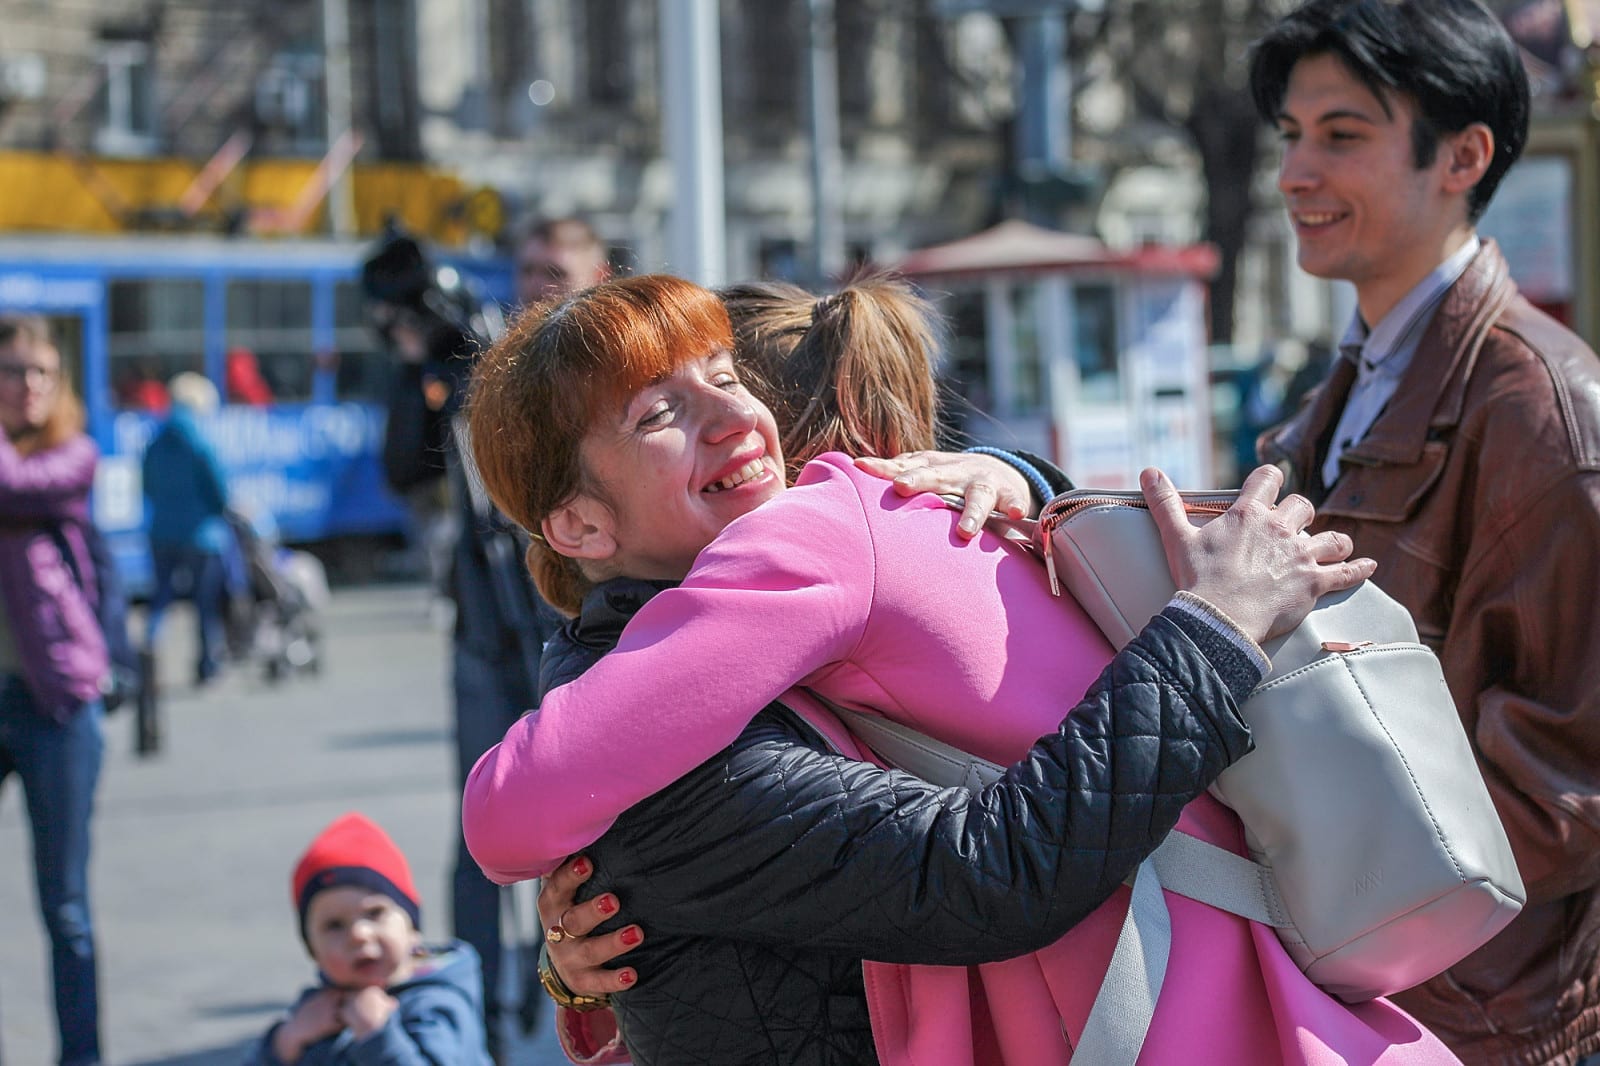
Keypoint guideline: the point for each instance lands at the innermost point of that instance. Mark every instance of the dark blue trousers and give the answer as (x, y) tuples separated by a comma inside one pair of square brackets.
[(199, 574), (489, 698), (59, 765)]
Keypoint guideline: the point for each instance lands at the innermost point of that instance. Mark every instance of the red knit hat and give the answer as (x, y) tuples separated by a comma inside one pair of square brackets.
[(354, 851)]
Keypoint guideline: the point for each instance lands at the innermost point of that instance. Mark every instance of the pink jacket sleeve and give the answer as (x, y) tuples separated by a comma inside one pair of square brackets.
[(783, 593)]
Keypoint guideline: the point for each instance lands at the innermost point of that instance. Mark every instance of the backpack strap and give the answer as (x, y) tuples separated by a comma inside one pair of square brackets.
[(1115, 1030)]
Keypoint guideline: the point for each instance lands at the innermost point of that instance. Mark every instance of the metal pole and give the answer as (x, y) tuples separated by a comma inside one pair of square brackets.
[(1044, 121), (827, 171), (691, 107), (336, 90)]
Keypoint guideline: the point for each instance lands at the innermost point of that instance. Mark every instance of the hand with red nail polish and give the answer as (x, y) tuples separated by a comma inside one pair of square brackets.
[(580, 955)]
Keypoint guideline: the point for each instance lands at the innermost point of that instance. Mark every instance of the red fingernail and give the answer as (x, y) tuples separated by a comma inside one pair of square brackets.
[(581, 867), (631, 935), (606, 904), (626, 977)]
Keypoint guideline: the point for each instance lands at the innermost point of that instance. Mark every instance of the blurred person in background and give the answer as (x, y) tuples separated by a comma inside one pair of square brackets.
[(557, 257), (434, 324), (1457, 441), (53, 659), (246, 383), (186, 496)]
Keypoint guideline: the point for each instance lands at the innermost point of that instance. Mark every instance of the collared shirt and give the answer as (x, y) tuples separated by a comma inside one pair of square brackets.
[(1383, 352)]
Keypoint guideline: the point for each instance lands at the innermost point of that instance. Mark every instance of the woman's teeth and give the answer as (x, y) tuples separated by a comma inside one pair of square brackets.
[(752, 469)]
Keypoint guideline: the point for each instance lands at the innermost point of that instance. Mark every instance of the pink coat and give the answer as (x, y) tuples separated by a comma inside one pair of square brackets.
[(871, 599)]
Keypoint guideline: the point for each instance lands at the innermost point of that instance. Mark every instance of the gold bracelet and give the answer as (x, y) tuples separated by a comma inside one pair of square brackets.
[(557, 989)]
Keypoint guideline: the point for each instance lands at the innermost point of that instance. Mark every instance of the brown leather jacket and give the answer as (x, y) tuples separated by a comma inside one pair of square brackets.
[(1478, 493)]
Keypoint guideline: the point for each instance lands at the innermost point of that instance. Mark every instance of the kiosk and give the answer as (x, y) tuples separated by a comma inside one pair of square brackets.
[(1092, 357)]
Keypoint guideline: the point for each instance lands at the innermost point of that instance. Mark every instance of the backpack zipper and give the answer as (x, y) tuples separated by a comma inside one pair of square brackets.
[(1061, 509)]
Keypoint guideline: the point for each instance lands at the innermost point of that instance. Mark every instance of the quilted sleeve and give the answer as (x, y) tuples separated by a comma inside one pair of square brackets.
[(776, 841)]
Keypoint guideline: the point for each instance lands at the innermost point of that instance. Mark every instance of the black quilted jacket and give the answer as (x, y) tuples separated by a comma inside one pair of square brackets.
[(764, 877)]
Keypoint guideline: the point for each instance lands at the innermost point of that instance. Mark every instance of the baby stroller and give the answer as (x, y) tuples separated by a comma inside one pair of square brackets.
[(275, 600)]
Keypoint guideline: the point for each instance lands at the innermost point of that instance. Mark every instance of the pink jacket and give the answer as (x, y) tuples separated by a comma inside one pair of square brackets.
[(871, 599)]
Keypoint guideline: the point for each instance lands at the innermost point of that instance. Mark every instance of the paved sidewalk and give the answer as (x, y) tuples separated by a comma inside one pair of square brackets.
[(193, 848)]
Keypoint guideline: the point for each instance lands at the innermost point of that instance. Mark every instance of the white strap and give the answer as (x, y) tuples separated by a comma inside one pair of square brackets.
[(1116, 1027), (1202, 871), (917, 753)]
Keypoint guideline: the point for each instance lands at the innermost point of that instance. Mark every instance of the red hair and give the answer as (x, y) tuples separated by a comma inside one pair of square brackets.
[(537, 392)]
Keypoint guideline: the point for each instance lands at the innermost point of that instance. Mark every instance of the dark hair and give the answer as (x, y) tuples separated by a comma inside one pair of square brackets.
[(537, 391), (1452, 58), (851, 372)]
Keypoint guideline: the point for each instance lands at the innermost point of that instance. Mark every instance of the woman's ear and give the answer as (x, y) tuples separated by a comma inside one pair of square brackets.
[(581, 528)]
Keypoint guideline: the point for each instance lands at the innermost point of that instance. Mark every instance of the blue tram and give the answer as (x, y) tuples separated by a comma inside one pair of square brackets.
[(280, 327)]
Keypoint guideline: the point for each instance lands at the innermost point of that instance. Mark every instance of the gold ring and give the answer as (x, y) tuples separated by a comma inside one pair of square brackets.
[(556, 934)]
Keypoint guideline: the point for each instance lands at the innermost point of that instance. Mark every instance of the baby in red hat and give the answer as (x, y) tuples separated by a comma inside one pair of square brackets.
[(383, 995)]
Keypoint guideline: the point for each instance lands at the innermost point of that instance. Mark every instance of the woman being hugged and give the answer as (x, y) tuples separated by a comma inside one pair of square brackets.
[(616, 426), (53, 658)]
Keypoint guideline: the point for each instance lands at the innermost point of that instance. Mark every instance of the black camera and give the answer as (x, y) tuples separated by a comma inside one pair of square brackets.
[(403, 285)]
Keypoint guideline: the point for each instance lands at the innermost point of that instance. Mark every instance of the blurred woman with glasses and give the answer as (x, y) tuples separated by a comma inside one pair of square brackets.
[(53, 660)]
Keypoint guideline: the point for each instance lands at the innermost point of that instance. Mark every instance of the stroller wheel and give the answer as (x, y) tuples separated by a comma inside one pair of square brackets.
[(300, 654)]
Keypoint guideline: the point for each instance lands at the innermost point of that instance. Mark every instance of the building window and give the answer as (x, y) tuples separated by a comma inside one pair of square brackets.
[(610, 69), (126, 99), (1027, 372), (289, 102), (854, 32), (775, 61), (1094, 312)]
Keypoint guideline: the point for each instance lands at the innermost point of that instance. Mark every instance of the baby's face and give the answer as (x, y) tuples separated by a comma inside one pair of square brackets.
[(360, 938)]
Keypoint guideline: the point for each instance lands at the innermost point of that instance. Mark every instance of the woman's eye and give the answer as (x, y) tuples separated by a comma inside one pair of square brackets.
[(1288, 136), (656, 416), (727, 380)]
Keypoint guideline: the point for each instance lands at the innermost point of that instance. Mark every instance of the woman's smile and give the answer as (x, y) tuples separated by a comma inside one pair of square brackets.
[(746, 473)]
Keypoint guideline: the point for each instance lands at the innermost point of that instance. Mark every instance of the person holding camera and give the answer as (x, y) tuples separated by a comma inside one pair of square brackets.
[(435, 323)]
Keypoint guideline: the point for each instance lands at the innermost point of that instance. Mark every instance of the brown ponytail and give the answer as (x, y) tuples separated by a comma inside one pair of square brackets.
[(851, 372)]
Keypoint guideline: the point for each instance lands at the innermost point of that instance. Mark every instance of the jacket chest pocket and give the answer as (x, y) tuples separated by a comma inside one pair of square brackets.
[(1403, 516), (1378, 491)]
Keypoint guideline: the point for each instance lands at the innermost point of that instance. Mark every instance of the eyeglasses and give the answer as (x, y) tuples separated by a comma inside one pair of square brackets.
[(20, 373)]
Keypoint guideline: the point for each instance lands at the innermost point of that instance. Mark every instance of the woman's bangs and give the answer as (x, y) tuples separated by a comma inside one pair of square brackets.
[(661, 323)]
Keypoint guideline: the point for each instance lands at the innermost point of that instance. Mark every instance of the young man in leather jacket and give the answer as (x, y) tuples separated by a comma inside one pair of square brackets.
[(1458, 443)]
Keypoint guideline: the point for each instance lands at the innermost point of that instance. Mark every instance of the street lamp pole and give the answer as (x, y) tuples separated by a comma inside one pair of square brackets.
[(336, 92), (691, 106), (827, 171)]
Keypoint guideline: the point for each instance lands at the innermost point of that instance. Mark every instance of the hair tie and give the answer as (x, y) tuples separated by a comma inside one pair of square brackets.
[(825, 305)]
